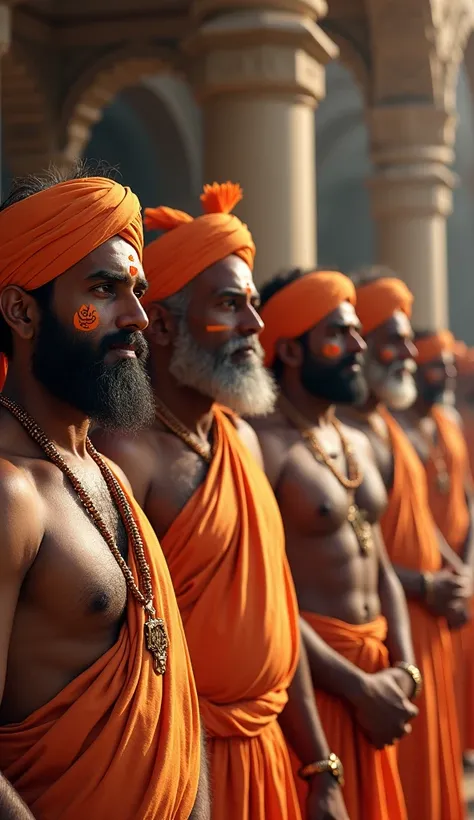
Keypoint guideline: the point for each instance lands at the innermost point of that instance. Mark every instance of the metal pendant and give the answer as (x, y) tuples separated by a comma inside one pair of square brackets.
[(156, 641), (363, 531)]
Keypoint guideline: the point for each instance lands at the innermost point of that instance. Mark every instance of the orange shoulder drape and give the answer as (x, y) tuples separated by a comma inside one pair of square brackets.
[(226, 555), (430, 757), (451, 513), (119, 741), (372, 789)]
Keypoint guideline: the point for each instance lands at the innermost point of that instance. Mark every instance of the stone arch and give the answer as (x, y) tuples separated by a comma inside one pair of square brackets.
[(417, 47), (87, 98), (28, 141)]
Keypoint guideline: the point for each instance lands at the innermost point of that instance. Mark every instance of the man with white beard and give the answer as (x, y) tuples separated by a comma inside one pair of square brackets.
[(429, 759), (197, 474)]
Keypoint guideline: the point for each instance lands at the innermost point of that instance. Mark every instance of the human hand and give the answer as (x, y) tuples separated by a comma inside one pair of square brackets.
[(383, 709), (446, 588), (325, 800), (457, 614)]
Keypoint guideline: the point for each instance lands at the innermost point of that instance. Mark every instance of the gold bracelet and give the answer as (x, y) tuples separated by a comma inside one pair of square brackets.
[(332, 764), (415, 675)]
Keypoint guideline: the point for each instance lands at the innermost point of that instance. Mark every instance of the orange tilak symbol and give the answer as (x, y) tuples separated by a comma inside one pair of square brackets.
[(133, 269), (86, 318), (388, 354), (331, 350), (216, 328)]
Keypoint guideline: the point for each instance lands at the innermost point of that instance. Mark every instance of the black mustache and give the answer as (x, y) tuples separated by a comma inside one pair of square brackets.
[(125, 337), (350, 360)]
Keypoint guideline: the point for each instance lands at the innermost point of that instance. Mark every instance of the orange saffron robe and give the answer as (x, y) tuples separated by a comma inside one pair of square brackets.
[(226, 554), (372, 789), (451, 514), (430, 757), (118, 741)]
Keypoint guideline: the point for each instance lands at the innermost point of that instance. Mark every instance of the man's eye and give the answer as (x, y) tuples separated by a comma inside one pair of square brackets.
[(229, 303), (105, 288), (140, 292)]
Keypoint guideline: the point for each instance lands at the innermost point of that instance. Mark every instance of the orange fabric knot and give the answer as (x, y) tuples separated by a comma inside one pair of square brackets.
[(377, 301), (47, 233), (299, 306), (430, 348), (189, 246)]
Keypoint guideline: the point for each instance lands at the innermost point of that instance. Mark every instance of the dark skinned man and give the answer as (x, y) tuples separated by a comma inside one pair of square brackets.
[(429, 759), (198, 474)]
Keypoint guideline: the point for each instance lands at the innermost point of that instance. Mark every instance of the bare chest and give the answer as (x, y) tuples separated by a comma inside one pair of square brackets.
[(313, 500)]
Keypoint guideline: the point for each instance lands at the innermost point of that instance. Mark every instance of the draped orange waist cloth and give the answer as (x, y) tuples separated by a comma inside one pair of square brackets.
[(119, 741), (226, 554), (372, 789), (430, 757), (451, 513)]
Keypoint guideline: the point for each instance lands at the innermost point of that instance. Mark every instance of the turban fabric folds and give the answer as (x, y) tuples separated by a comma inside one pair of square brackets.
[(430, 348), (377, 301), (47, 233), (189, 246), (299, 306)]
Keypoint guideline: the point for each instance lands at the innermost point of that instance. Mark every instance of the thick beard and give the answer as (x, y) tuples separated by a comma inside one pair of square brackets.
[(385, 383), (247, 387), (116, 396), (333, 382)]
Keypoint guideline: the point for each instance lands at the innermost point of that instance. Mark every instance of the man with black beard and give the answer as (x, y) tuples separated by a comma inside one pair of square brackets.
[(198, 474), (97, 717), (356, 629)]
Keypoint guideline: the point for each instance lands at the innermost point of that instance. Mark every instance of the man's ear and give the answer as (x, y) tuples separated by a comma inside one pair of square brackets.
[(290, 352), (162, 327), (20, 311)]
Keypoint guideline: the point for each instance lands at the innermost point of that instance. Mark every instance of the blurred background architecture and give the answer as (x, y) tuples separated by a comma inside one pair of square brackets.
[(349, 123)]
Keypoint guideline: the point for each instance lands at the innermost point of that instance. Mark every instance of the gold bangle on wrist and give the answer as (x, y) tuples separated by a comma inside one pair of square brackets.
[(332, 765), (415, 675)]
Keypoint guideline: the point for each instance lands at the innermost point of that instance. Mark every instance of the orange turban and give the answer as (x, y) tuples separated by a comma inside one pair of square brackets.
[(430, 348), (47, 233), (189, 245), (299, 306), (378, 300)]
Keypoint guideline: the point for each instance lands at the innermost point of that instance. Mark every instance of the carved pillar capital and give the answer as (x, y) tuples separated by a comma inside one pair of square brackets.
[(412, 149), (274, 53)]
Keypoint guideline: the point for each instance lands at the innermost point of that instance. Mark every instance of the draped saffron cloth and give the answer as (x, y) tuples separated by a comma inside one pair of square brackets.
[(226, 554), (430, 757), (188, 246), (299, 306), (372, 789), (451, 513), (47, 233), (118, 741)]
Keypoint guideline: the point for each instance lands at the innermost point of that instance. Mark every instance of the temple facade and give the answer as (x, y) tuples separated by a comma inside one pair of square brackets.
[(348, 123)]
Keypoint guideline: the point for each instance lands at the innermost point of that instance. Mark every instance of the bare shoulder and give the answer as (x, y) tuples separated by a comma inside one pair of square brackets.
[(131, 456), (276, 439), (249, 437), (21, 521)]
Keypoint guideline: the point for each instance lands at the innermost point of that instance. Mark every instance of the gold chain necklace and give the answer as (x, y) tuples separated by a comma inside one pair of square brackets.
[(175, 426), (357, 518), (156, 638), (435, 453)]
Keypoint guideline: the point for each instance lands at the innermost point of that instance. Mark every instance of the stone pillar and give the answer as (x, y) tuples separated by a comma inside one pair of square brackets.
[(5, 35), (412, 149), (259, 75)]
